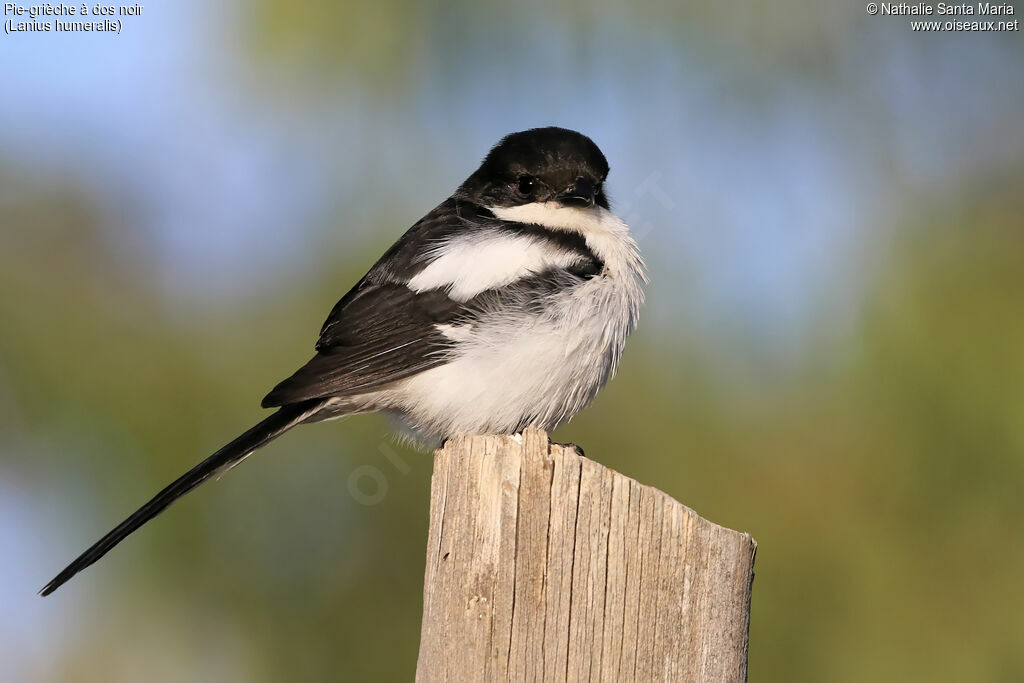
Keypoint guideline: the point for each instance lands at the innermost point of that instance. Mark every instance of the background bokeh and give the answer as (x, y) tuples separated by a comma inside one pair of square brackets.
[(832, 357)]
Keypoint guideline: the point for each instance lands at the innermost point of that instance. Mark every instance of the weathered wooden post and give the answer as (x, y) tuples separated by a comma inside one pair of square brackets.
[(545, 566)]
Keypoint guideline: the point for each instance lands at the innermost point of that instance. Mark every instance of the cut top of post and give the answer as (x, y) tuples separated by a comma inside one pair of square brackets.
[(544, 565)]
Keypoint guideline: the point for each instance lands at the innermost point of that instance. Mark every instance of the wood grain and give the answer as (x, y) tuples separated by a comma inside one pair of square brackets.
[(545, 566)]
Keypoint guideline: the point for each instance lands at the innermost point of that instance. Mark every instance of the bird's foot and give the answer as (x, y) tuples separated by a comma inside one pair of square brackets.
[(578, 449)]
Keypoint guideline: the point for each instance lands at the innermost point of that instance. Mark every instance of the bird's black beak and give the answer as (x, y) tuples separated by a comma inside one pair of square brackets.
[(581, 194)]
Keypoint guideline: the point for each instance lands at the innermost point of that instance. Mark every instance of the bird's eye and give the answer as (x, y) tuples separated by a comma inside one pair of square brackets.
[(527, 184)]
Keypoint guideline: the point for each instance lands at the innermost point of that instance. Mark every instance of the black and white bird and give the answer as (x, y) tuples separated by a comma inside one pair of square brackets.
[(507, 306)]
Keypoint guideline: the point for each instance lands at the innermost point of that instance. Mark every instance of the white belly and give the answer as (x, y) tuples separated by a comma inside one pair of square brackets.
[(525, 371)]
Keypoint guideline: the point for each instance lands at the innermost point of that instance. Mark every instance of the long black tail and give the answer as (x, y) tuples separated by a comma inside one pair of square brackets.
[(227, 457)]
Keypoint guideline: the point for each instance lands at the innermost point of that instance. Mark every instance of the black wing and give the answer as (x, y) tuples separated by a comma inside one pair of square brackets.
[(381, 331), (382, 334)]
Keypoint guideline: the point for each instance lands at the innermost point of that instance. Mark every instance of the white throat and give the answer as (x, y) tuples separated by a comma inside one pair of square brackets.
[(606, 234), (555, 215)]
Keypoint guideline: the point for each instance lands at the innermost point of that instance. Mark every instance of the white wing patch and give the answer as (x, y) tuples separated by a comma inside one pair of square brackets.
[(471, 265), (456, 333)]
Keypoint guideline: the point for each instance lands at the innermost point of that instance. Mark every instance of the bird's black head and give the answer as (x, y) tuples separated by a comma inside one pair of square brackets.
[(540, 165)]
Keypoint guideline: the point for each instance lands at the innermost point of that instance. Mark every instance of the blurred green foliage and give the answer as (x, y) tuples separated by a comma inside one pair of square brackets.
[(882, 480)]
